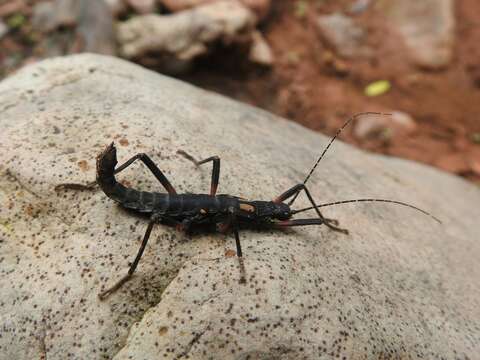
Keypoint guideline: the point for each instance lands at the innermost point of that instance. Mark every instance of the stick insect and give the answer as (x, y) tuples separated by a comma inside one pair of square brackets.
[(227, 212)]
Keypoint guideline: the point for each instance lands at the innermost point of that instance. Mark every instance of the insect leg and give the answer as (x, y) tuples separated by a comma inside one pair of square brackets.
[(142, 157), (295, 190), (103, 295), (152, 167), (234, 226), (289, 193), (74, 186), (224, 226), (215, 170), (232, 222), (297, 222)]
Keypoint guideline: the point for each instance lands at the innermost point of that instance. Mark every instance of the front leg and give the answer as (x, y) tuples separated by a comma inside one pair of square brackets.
[(293, 191)]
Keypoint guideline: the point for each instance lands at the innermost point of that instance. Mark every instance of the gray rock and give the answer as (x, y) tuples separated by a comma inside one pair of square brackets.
[(399, 285), (44, 17), (95, 28), (386, 127), (428, 28), (185, 35), (47, 16), (90, 24), (347, 38), (3, 29)]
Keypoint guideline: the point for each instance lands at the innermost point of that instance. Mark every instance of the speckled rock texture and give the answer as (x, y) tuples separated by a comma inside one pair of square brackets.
[(400, 286)]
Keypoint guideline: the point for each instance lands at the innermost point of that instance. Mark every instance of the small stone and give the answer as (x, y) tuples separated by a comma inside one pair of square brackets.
[(403, 121), (343, 35), (384, 126), (96, 28), (47, 16), (3, 29), (428, 28), (260, 52), (44, 18)]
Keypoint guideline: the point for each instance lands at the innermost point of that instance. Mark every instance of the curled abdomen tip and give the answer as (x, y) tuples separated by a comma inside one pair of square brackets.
[(106, 163)]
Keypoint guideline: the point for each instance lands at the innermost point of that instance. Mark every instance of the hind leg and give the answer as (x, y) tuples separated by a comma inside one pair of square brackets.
[(143, 158), (104, 294)]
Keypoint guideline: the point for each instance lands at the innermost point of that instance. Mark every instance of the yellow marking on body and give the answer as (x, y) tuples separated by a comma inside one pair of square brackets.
[(247, 207)]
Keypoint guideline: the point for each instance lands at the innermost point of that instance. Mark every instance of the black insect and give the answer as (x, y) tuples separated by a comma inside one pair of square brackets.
[(227, 212)]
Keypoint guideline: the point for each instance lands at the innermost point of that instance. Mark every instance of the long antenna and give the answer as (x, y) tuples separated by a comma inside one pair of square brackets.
[(331, 141), (369, 200)]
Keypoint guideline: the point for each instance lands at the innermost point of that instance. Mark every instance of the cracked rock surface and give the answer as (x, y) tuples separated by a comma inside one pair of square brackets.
[(399, 286)]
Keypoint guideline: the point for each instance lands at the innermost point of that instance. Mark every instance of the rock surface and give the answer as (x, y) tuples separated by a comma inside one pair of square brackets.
[(428, 28), (399, 286), (184, 36), (347, 38)]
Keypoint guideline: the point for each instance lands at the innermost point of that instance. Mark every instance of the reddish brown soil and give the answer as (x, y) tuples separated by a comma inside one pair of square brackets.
[(309, 86)]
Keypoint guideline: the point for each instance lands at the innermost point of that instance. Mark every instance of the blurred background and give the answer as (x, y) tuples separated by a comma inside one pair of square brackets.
[(316, 62)]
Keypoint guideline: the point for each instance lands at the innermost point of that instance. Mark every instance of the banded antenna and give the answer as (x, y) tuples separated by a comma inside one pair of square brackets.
[(330, 143), (369, 200)]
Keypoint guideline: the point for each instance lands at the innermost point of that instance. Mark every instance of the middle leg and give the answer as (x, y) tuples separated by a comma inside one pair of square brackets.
[(233, 223), (215, 169)]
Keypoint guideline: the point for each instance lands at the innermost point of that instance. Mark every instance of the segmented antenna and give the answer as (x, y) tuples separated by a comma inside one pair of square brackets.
[(369, 200), (330, 143)]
